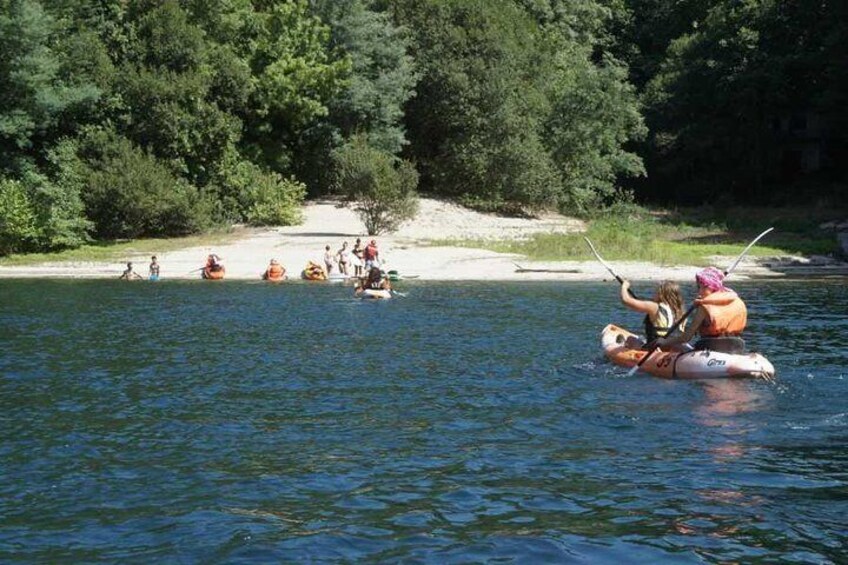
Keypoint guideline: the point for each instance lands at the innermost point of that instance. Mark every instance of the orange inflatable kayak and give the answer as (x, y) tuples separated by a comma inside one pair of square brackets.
[(703, 364)]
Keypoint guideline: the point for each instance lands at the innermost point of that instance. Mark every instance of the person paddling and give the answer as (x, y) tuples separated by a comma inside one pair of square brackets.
[(720, 319), (660, 313), (374, 281), (214, 269)]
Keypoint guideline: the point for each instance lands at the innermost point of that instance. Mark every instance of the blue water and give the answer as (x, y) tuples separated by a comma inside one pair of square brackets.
[(238, 422)]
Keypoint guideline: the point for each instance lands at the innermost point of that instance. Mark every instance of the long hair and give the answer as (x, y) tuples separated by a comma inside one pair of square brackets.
[(668, 292)]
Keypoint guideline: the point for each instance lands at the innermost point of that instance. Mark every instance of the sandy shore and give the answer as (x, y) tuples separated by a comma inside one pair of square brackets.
[(410, 250)]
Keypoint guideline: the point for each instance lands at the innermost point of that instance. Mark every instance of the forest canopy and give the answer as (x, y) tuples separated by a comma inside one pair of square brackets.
[(124, 119)]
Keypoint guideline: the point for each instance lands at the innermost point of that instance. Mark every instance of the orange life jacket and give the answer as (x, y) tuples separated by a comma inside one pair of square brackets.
[(726, 314), (275, 272)]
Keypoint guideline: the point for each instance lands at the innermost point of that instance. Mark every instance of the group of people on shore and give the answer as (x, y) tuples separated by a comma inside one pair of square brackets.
[(362, 258), (365, 261), (719, 320)]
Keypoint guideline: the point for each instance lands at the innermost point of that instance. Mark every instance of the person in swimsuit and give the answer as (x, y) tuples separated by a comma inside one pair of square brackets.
[(357, 252), (343, 256), (328, 260), (153, 269)]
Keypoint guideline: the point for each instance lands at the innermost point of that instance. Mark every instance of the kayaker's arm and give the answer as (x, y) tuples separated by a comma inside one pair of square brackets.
[(688, 334), (645, 306)]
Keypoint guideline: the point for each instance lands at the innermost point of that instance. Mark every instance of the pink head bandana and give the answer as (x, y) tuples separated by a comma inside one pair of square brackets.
[(711, 278)]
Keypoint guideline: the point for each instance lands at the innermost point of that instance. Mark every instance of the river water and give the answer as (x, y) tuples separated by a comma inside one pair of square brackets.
[(240, 422)]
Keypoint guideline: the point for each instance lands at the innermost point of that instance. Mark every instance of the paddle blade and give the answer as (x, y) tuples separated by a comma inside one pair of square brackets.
[(633, 370)]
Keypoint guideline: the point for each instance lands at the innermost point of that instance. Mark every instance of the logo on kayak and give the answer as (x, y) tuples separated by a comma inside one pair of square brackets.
[(715, 363)]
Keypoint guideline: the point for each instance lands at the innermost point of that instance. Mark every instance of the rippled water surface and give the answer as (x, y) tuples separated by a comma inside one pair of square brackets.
[(239, 422)]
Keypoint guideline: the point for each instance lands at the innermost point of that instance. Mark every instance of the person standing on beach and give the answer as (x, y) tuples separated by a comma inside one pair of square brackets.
[(371, 256), (328, 260), (357, 252), (343, 256), (153, 269), (129, 274)]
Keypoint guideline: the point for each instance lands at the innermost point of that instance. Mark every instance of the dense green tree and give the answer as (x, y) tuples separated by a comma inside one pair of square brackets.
[(743, 106), (376, 184), (520, 105), (35, 95), (380, 81), (475, 121), (130, 193), (18, 223)]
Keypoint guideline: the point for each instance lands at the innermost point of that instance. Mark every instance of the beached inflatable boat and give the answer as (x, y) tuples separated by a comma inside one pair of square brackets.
[(704, 364)]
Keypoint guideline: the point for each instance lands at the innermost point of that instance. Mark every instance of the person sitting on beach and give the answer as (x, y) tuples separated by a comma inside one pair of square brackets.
[(328, 260), (343, 257), (129, 274), (153, 269), (274, 272), (374, 281), (371, 256), (357, 252), (660, 312), (720, 319)]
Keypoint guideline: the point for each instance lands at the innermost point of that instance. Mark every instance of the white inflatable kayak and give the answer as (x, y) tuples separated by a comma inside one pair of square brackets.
[(375, 294), (702, 364)]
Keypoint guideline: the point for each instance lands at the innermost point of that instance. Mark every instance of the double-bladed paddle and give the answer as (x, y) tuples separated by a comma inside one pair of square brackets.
[(607, 266), (691, 309)]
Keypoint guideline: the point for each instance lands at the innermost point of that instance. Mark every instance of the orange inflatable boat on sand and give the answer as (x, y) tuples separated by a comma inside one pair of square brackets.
[(700, 364), (314, 272)]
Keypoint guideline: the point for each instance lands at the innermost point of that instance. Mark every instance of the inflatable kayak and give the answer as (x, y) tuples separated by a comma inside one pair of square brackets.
[(704, 364), (372, 294), (213, 275), (314, 272)]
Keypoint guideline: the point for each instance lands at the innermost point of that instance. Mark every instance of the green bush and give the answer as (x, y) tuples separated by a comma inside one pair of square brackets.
[(275, 201), (379, 187), (247, 193), (18, 228), (131, 194)]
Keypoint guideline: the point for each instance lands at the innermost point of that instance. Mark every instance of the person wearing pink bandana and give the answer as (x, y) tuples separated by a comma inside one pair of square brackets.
[(720, 319)]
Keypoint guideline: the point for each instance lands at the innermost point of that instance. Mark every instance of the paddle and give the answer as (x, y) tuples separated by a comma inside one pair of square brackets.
[(608, 267), (691, 309)]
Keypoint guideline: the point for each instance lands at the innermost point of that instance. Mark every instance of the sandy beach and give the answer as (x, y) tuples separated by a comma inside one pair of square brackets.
[(411, 250)]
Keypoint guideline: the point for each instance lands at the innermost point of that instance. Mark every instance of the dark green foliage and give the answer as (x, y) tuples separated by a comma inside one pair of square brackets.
[(379, 187), (167, 115), (131, 194), (748, 104), (518, 106), (18, 223)]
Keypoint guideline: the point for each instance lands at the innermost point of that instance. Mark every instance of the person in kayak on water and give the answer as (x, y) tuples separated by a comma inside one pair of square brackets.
[(374, 281), (720, 319), (660, 313)]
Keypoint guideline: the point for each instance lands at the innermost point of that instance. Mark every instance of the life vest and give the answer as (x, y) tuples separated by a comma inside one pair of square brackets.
[(665, 319), (370, 252), (275, 272), (726, 314)]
